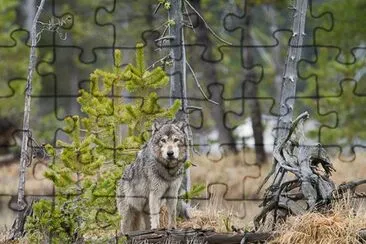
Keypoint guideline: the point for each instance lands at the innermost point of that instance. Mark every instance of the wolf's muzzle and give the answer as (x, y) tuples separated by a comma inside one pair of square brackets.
[(170, 154)]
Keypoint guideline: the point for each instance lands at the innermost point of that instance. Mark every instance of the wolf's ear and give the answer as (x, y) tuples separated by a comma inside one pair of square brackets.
[(155, 127), (181, 125)]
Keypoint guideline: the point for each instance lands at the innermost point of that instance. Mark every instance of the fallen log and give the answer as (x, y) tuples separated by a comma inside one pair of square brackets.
[(362, 235), (196, 236)]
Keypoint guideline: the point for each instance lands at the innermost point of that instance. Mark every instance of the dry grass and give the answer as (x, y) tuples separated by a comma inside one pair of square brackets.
[(230, 180), (237, 172), (339, 226), (243, 177), (213, 216), (36, 184), (234, 178), (4, 237), (353, 170)]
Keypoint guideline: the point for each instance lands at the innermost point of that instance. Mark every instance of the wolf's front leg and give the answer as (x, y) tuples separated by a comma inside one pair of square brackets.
[(154, 207), (172, 212), (171, 203)]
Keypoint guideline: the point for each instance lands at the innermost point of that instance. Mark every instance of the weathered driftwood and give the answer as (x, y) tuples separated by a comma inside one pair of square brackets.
[(351, 188), (301, 178), (309, 168)]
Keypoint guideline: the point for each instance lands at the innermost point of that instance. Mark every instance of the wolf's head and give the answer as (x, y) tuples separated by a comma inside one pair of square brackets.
[(169, 143)]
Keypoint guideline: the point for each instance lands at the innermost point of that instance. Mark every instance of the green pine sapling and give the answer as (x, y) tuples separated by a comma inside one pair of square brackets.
[(85, 169)]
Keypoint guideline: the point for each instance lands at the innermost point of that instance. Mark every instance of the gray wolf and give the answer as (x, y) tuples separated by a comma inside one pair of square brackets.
[(154, 178)]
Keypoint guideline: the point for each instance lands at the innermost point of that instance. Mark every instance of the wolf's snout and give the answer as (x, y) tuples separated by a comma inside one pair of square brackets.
[(170, 154)]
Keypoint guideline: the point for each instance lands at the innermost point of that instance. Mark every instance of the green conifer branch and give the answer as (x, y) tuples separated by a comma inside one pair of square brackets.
[(140, 60)]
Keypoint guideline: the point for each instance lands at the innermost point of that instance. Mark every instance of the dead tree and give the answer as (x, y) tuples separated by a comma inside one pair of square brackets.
[(301, 174), (178, 86), (288, 92), (25, 157)]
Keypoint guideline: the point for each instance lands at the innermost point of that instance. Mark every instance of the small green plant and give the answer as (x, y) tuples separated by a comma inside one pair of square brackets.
[(196, 191), (53, 222), (227, 223), (86, 168)]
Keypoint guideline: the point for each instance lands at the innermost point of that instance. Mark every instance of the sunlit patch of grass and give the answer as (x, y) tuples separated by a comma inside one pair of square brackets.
[(212, 216), (340, 225)]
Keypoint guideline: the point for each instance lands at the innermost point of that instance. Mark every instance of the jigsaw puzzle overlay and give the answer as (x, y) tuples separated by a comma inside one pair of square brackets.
[(236, 53)]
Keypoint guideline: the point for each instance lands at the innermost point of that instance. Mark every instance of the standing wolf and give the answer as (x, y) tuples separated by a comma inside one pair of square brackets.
[(154, 177)]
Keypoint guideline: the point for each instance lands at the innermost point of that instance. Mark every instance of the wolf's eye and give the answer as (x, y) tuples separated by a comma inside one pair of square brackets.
[(163, 140), (176, 139)]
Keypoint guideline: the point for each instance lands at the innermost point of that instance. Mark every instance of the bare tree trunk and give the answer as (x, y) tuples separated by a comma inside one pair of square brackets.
[(210, 75), (251, 90), (178, 87), (18, 226), (288, 90)]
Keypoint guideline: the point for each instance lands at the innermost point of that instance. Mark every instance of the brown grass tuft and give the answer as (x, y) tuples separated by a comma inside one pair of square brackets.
[(341, 225), (213, 216)]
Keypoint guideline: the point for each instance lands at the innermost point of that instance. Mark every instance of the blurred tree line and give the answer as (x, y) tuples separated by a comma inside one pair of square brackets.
[(244, 80)]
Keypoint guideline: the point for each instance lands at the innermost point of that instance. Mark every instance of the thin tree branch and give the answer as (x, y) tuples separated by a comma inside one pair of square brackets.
[(164, 38), (188, 25), (160, 60), (199, 85), (194, 107), (207, 26), (189, 18), (164, 31), (165, 24), (157, 8)]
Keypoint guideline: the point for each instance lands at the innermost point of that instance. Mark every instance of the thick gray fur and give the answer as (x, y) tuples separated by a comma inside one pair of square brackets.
[(154, 178)]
